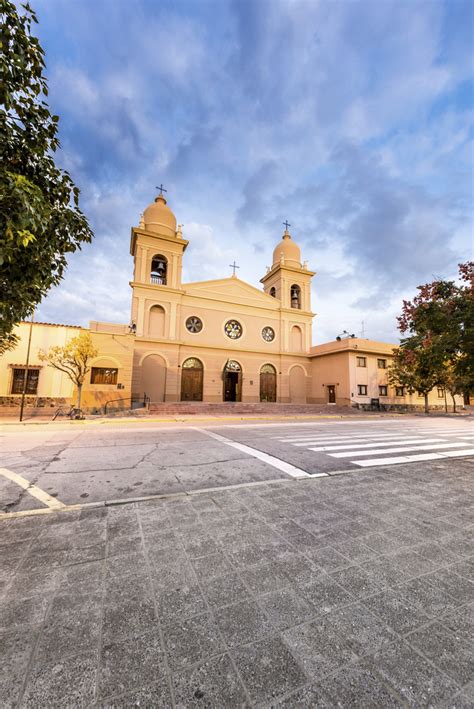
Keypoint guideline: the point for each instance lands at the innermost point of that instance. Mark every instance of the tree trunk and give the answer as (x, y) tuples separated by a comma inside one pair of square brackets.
[(454, 402), (427, 410), (445, 402), (79, 394)]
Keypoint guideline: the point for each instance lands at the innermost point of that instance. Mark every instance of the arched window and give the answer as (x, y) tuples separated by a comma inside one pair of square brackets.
[(296, 296), (273, 292), (156, 321), (159, 268), (192, 363)]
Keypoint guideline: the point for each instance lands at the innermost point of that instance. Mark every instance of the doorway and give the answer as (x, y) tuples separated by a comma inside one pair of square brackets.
[(268, 383), (232, 381), (191, 380), (331, 394)]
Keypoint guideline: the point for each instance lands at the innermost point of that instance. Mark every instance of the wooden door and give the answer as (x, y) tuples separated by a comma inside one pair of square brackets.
[(191, 384), (267, 386)]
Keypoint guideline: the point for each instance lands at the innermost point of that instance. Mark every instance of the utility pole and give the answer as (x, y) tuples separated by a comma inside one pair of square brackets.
[(25, 381)]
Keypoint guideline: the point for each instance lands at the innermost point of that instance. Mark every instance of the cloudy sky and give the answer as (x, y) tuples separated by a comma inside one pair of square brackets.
[(353, 120)]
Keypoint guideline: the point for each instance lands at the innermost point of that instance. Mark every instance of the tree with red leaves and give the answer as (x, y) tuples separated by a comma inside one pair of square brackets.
[(439, 347)]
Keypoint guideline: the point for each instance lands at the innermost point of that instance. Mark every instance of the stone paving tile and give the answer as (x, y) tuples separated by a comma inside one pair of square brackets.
[(180, 601), (242, 623), (18, 612), (357, 581), (213, 683), (393, 608), (16, 647), (318, 647), (226, 589), (208, 567), (286, 607), (192, 640), (362, 631), (268, 669), (156, 695), (326, 594), (452, 654), (70, 682), (328, 559), (72, 628), (126, 617), (428, 599), (458, 587), (262, 578), (131, 664), (351, 687), (411, 676), (460, 622)]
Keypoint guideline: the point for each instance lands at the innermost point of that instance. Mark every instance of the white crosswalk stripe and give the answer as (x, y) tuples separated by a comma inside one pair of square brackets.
[(367, 448), (402, 449)]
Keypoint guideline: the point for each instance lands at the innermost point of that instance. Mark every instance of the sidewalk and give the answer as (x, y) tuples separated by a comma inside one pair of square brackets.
[(353, 589)]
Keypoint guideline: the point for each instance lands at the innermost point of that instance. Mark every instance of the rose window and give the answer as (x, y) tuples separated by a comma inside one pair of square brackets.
[(194, 324), (233, 329), (268, 334)]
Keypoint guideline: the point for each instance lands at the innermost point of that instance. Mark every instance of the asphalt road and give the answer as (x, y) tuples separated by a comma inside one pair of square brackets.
[(47, 466)]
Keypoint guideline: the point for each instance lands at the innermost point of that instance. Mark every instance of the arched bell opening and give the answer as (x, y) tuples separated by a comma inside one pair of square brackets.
[(159, 270), (232, 381), (295, 296), (192, 379), (268, 383)]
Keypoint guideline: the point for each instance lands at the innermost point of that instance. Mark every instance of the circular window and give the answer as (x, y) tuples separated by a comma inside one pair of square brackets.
[(194, 324), (268, 334), (233, 329)]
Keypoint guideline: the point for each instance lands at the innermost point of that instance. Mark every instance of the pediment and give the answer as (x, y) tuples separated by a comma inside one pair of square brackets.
[(232, 290)]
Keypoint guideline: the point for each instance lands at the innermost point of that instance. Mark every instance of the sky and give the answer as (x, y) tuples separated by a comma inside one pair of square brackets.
[(352, 120)]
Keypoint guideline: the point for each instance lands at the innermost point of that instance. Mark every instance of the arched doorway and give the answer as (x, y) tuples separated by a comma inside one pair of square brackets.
[(268, 386), (191, 380), (297, 385), (232, 377), (153, 379)]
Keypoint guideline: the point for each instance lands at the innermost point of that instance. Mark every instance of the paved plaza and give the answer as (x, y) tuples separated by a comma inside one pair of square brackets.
[(317, 583)]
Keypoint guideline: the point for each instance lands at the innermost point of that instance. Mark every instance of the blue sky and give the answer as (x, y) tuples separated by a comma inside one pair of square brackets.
[(353, 120)]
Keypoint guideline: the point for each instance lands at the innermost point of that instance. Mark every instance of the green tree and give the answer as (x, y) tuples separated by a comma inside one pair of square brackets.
[(72, 359), (40, 221), (438, 349)]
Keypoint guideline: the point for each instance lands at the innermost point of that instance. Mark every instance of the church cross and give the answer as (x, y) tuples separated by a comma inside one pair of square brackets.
[(286, 224), (161, 188), (234, 266)]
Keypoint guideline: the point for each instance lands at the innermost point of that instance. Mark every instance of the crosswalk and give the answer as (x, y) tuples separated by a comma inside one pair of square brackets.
[(369, 447)]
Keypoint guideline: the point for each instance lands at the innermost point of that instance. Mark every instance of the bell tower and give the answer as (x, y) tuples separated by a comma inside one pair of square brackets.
[(157, 247), (289, 281)]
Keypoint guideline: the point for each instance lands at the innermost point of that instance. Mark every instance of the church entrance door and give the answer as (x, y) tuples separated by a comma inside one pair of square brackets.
[(232, 381), (191, 380), (268, 383)]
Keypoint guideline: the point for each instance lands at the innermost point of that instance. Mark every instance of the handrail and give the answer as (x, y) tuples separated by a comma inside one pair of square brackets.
[(131, 399)]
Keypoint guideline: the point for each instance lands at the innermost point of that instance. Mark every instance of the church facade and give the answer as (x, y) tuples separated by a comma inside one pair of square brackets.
[(219, 340), (215, 341)]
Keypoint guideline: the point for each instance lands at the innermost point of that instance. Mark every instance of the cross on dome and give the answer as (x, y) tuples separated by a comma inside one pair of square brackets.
[(161, 188)]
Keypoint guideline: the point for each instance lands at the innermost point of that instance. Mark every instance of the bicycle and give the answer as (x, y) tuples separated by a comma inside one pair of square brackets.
[(74, 413)]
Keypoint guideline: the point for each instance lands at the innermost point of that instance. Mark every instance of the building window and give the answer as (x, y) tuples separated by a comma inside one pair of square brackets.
[(399, 391), (273, 292), (296, 297), (104, 375), (194, 324), (362, 389), (18, 381), (233, 329), (268, 334), (382, 363), (159, 268), (362, 361), (440, 393), (383, 390)]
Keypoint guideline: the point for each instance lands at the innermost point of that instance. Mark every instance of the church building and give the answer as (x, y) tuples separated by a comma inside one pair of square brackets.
[(220, 340)]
